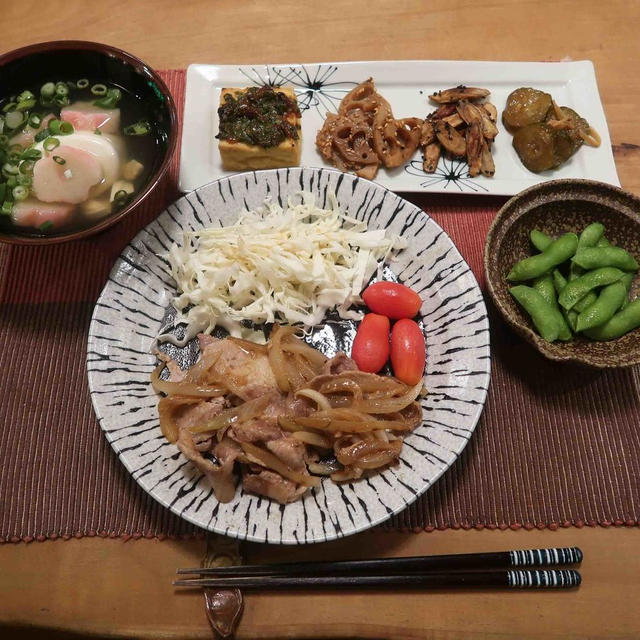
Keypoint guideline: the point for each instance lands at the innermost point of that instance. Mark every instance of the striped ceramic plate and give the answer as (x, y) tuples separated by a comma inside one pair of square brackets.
[(135, 305)]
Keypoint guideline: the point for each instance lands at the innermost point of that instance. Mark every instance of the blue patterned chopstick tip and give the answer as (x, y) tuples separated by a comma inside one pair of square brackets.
[(537, 557), (544, 579)]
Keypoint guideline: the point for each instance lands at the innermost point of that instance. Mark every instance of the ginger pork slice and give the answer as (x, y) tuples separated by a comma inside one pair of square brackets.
[(259, 128)]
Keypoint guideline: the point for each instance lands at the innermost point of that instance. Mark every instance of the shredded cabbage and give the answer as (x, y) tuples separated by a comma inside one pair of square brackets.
[(286, 265)]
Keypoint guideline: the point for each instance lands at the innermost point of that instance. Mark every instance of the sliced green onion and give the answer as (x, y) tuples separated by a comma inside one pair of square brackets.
[(25, 181), (50, 144), (97, 132), (66, 128), (23, 105), (12, 181), (54, 126), (59, 160), (10, 106), (99, 90), (26, 167), (41, 135), (14, 119), (35, 120), (7, 207), (20, 193), (71, 84), (109, 101), (4, 140), (45, 226), (10, 169), (62, 89), (141, 128), (62, 101), (120, 198), (31, 154), (47, 89), (26, 95), (83, 83)]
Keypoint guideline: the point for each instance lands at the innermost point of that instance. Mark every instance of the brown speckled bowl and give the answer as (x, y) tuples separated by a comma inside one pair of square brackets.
[(557, 207)]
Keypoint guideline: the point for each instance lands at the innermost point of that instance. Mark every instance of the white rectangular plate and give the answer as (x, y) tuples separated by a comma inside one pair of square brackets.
[(406, 85)]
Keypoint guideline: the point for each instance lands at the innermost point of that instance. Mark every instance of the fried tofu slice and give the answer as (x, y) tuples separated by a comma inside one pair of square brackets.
[(239, 156)]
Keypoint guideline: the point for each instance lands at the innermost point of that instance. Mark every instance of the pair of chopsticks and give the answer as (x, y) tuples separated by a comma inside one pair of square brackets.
[(496, 569)]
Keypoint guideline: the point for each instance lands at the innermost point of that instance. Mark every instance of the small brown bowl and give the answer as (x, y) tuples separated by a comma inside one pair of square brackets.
[(557, 207), (69, 59)]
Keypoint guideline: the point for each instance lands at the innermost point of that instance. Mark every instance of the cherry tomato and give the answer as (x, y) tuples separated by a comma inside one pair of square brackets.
[(392, 300), (408, 351), (371, 344)]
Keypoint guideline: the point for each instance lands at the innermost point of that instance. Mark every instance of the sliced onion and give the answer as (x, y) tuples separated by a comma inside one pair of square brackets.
[(315, 357), (348, 421), (277, 358), (390, 405), (166, 407), (313, 439), (183, 387), (207, 360), (265, 459), (316, 396), (304, 367), (369, 454), (323, 468), (239, 414)]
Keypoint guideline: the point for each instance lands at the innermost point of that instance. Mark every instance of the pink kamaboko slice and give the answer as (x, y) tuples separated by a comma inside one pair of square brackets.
[(31, 213), (66, 175), (85, 116)]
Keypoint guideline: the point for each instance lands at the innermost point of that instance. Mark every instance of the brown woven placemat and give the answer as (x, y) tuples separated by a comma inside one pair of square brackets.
[(556, 446)]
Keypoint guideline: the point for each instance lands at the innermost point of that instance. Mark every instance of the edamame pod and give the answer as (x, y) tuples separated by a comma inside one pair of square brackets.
[(556, 253), (544, 286), (540, 240), (560, 282), (579, 288), (587, 301), (589, 237), (604, 308), (542, 313), (621, 323), (603, 242), (596, 257)]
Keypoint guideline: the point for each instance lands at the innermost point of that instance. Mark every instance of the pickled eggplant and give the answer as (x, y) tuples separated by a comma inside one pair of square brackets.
[(526, 106), (535, 146), (544, 134), (572, 124)]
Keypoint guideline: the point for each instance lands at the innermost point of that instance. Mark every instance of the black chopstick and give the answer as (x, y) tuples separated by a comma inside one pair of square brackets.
[(385, 566), (514, 579)]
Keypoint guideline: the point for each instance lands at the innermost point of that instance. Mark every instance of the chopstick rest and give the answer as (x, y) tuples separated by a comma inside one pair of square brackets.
[(514, 579)]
